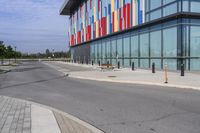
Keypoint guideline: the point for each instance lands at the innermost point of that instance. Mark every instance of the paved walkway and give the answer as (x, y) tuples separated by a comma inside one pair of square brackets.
[(18, 116), (139, 76)]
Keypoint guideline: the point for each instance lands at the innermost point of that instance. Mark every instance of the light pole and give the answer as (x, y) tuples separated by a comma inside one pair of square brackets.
[(15, 54), (53, 54)]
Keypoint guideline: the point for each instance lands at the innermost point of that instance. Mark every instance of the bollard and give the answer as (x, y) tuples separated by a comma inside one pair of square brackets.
[(182, 70), (82, 61), (107, 64), (153, 68), (92, 62), (133, 66), (118, 65), (99, 63), (166, 74)]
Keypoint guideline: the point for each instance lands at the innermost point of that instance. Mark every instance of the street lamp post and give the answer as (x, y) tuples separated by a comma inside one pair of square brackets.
[(15, 54), (53, 54)]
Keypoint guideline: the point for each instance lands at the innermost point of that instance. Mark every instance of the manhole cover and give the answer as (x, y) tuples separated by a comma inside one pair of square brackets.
[(112, 76)]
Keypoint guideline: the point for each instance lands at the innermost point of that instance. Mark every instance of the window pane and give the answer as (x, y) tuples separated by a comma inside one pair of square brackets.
[(92, 52), (185, 5), (134, 46), (171, 63), (195, 41), (104, 52), (155, 3), (144, 45), (195, 64), (96, 52), (147, 5), (100, 50), (127, 47), (108, 49), (114, 52), (114, 49), (195, 6), (155, 44), (144, 63), (155, 15), (167, 1), (170, 42), (119, 47), (126, 62), (171, 9)]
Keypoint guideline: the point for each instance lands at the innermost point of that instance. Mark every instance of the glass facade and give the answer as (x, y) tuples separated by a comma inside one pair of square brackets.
[(156, 9), (157, 44), (172, 42)]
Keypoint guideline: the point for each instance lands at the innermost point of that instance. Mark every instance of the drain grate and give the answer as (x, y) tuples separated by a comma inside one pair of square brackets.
[(112, 76)]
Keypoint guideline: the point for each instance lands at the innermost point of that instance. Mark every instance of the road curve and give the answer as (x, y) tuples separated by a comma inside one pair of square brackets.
[(112, 107)]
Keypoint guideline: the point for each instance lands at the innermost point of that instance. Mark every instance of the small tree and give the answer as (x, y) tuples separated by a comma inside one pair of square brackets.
[(2, 52), (48, 53)]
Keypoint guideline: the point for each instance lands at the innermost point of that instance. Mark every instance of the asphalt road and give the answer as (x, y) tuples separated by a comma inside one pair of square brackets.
[(112, 107)]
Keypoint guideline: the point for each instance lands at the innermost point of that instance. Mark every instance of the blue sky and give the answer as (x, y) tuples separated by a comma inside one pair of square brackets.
[(33, 25)]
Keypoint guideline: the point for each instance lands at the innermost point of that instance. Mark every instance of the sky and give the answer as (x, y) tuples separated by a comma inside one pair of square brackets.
[(33, 25)]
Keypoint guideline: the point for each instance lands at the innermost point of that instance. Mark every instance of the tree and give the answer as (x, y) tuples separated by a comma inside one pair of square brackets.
[(48, 53), (2, 52), (9, 52)]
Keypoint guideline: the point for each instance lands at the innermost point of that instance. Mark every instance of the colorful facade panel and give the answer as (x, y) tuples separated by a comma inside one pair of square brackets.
[(97, 18)]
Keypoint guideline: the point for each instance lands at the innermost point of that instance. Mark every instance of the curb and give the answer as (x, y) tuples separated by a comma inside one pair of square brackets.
[(135, 82), (91, 127)]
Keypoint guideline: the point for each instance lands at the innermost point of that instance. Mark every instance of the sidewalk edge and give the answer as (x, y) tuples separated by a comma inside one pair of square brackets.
[(76, 119), (135, 82)]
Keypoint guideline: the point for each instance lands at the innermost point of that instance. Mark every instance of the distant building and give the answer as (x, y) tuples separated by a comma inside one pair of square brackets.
[(140, 31)]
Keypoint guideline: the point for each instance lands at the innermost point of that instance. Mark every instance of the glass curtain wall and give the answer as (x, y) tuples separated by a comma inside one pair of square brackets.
[(160, 44)]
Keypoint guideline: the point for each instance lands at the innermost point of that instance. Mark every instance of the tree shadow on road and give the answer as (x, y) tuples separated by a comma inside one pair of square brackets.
[(32, 82)]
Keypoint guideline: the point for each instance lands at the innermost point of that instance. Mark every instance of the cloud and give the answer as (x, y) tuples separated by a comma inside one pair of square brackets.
[(33, 25)]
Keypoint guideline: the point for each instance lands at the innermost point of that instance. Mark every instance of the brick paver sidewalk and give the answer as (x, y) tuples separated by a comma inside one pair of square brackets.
[(15, 116), (19, 116)]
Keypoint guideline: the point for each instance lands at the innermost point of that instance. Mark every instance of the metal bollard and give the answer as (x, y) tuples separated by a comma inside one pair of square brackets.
[(182, 70), (133, 66), (166, 74), (99, 63), (92, 62), (153, 68), (118, 65)]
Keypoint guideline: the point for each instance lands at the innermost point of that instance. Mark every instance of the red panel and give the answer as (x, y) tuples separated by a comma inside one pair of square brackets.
[(79, 37), (113, 22), (72, 40), (104, 26), (129, 16), (125, 18), (99, 28), (120, 19), (99, 5), (94, 30), (88, 33)]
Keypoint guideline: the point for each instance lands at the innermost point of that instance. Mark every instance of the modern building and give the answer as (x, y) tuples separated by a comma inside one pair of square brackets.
[(139, 31)]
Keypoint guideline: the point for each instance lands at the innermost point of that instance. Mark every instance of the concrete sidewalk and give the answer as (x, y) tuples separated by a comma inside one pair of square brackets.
[(19, 116), (139, 76)]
